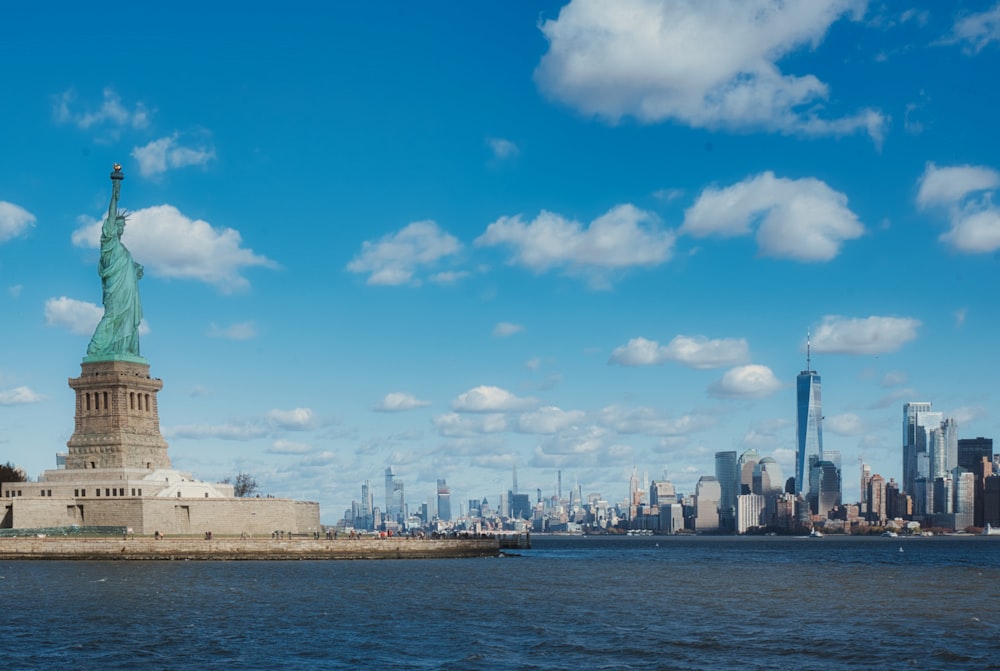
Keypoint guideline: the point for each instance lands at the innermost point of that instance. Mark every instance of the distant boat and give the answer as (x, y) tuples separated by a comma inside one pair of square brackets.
[(990, 530), (889, 534), (815, 533)]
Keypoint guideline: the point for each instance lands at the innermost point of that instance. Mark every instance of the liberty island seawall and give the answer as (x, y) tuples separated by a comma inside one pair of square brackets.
[(569, 603)]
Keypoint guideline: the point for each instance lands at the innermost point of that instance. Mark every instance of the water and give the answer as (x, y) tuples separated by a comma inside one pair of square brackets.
[(569, 603)]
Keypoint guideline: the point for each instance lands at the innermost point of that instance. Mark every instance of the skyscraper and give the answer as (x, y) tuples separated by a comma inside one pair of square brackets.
[(808, 421), (444, 500), (972, 450), (728, 475)]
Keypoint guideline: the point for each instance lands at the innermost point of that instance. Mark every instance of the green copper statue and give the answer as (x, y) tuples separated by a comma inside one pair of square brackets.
[(117, 335)]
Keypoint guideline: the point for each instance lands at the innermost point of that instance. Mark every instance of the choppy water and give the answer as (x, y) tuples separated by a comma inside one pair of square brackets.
[(585, 603)]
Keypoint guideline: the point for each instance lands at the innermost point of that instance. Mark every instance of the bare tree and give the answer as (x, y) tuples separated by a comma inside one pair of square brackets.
[(244, 485)]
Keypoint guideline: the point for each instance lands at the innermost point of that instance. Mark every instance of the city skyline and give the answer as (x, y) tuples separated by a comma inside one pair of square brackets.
[(565, 236)]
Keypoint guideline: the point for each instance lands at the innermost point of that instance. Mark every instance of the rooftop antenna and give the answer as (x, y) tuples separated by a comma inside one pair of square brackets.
[(808, 351)]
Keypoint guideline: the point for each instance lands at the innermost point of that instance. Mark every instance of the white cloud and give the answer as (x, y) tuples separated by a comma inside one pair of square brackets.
[(502, 148), (647, 421), (171, 245), (165, 154), (241, 331), (801, 219), (504, 329), (110, 113), (966, 192), (297, 419), (394, 258), (871, 335), (289, 447), (230, 431), (14, 220), (453, 425), (976, 31), (947, 186), (78, 317), (705, 64), (623, 237), (750, 381), (846, 424), (549, 419), (693, 351), (398, 401), (967, 414), (19, 396), (487, 398)]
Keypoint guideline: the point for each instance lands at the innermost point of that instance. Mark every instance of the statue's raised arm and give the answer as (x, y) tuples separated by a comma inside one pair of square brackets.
[(117, 334)]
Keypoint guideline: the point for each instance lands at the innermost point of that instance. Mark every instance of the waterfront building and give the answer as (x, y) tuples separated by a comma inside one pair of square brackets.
[(671, 517), (707, 495), (727, 473), (918, 421), (983, 470), (875, 499), (749, 512), (964, 483), (768, 478), (972, 450), (991, 500), (661, 492), (808, 421), (824, 486)]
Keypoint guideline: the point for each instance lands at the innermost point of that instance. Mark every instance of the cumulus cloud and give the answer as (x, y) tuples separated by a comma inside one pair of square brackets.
[(241, 331), (800, 219), (395, 258), (750, 381), (975, 31), (502, 148), (487, 398), (966, 193), (398, 401), (871, 335), (549, 419), (297, 419), (504, 329), (693, 351), (110, 113), (623, 237), (14, 220), (167, 153), (19, 396), (454, 425), (707, 64), (171, 245), (78, 317)]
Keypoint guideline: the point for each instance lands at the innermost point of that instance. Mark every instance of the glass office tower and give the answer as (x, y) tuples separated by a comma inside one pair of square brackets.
[(808, 421)]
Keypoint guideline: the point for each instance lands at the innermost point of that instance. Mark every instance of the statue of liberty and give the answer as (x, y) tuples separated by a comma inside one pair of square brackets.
[(117, 334)]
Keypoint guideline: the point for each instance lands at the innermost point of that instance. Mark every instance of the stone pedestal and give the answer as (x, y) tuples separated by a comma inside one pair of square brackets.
[(117, 423)]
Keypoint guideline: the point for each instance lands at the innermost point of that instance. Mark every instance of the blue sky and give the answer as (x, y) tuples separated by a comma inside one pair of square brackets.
[(454, 238)]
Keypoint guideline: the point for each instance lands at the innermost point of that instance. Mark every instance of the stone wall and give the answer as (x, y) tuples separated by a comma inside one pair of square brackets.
[(237, 549), (172, 516)]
